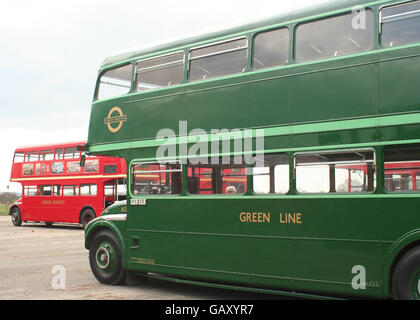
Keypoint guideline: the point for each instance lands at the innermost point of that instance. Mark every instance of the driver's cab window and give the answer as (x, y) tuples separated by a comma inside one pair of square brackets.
[(156, 179)]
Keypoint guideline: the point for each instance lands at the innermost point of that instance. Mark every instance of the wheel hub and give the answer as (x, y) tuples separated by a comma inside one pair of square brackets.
[(418, 286), (103, 258)]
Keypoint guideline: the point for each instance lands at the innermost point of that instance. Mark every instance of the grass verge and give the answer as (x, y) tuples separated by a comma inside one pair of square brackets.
[(4, 209)]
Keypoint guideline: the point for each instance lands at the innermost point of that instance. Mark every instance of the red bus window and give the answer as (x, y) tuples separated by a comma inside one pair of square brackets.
[(59, 154), (109, 189), (30, 191), (32, 156), (40, 169), (71, 153), (110, 169), (91, 166), (88, 190), (57, 190), (19, 157), (57, 167), (73, 167), (45, 190), (27, 169), (234, 181), (70, 190), (46, 155)]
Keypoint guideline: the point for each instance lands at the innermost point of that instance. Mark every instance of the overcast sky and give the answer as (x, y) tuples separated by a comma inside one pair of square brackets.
[(51, 50)]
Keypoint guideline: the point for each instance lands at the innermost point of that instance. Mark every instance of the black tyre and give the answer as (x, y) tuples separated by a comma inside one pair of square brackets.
[(406, 279), (105, 258), (86, 216), (16, 217), (48, 224)]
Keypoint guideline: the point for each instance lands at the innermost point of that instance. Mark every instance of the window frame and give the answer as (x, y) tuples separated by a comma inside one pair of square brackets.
[(220, 180), (19, 153), (101, 74), (290, 177), (190, 50), (90, 185), (327, 16), (30, 187), (140, 163), (352, 150), (136, 69), (384, 172), (381, 21), (74, 186), (45, 153), (45, 185), (29, 154), (57, 190), (289, 57), (75, 153)]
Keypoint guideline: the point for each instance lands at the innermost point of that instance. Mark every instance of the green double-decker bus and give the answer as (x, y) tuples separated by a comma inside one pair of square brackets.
[(282, 156)]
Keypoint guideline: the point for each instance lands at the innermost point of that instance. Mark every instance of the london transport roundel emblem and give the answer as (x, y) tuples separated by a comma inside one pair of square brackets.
[(115, 116)]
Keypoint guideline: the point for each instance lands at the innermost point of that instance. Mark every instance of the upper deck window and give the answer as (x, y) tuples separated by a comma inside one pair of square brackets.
[(271, 48), (333, 37), (19, 157), (218, 60), (160, 72), (32, 156), (47, 155), (400, 24), (115, 82), (71, 153), (59, 154)]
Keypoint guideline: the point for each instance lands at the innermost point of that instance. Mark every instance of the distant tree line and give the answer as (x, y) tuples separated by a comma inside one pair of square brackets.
[(9, 197)]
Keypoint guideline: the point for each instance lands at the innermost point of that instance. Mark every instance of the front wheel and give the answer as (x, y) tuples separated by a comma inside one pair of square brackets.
[(105, 258), (86, 216), (406, 280), (16, 217)]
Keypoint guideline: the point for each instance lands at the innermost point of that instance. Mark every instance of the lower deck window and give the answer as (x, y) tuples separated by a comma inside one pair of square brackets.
[(45, 190), (30, 191), (70, 190), (57, 190), (273, 176), (88, 190), (402, 168), (228, 179), (336, 172), (156, 179)]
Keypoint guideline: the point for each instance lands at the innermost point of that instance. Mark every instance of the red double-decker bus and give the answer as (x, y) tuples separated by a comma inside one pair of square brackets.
[(55, 188)]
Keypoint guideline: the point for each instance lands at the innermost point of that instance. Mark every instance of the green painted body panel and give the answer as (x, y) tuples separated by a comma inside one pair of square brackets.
[(271, 99), (368, 100), (337, 233)]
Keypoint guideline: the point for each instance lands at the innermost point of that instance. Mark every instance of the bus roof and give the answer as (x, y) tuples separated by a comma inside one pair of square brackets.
[(292, 12), (49, 146)]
